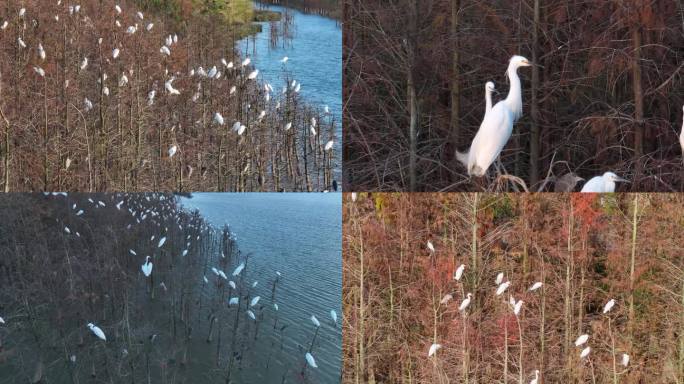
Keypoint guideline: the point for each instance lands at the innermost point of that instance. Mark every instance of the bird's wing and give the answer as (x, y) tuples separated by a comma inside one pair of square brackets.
[(595, 184), (492, 136)]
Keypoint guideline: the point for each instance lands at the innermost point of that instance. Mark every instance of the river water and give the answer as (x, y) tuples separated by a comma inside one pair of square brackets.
[(315, 57), (298, 235)]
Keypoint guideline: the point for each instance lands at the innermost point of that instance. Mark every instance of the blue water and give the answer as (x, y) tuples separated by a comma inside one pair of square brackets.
[(299, 235), (315, 54)]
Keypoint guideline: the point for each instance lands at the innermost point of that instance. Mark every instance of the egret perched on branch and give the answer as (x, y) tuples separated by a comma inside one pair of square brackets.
[(602, 184), (585, 352), (329, 145), (433, 349), (625, 359), (609, 305), (502, 288), (536, 286), (536, 377), (581, 340), (465, 303), (430, 246), (499, 278), (169, 87), (497, 126), (97, 331), (459, 272), (310, 360), (147, 267)]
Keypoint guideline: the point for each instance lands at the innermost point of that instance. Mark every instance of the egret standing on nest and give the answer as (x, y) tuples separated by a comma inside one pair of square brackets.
[(497, 126)]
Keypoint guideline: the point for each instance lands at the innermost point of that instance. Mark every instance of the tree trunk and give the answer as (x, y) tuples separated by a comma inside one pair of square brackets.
[(534, 108), (455, 74)]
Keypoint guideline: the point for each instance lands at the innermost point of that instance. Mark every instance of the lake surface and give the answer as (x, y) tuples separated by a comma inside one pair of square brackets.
[(298, 235), (315, 58)]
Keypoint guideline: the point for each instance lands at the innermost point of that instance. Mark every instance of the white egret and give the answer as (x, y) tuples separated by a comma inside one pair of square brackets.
[(87, 104), (67, 230), (115, 53), (585, 352), (150, 97), (239, 269), (625, 359), (185, 252), (581, 340), (97, 331), (118, 9), (284, 59), (602, 184), (310, 360), (223, 275), (459, 272), (253, 75), (288, 126), (4, 25), (433, 349), (149, 27), (22, 12), (446, 298), (251, 314), (499, 278), (354, 196), (536, 286), (39, 71), (254, 301), (234, 301), (212, 72), (246, 62), (169, 87), (140, 16), (329, 145), (172, 151), (232, 284), (161, 242), (430, 246), (465, 303), (147, 267), (2, 321), (536, 377), (489, 88), (132, 29), (41, 51), (517, 307), (609, 305), (241, 130), (502, 288), (333, 315), (165, 50), (132, 252), (218, 119), (21, 42), (315, 321), (497, 126), (312, 129)]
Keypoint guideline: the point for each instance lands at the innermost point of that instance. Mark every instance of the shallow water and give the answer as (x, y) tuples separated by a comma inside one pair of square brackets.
[(298, 235), (315, 58)]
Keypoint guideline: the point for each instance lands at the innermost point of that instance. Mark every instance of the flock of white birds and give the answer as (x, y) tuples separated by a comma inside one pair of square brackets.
[(141, 213), (516, 307), (497, 127), (244, 72)]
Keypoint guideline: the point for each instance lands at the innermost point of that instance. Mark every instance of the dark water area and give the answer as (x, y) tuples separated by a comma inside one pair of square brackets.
[(298, 235), (70, 260)]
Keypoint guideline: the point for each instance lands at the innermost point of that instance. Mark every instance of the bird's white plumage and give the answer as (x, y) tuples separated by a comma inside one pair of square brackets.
[(602, 184), (625, 359), (465, 303), (585, 352), (433, 349), (502, 288), (609, 305), (459, 272), (536, 286), (581, 340), (310, 360), (497, 125), (147, 267), (97, 331), (315, 321), (499, 278), (430, 246)]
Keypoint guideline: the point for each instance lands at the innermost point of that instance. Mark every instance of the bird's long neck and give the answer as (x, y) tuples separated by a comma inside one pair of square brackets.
[(488, 101), (514, 98)]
